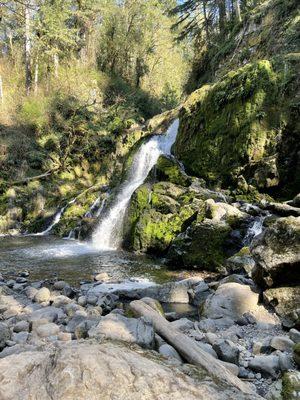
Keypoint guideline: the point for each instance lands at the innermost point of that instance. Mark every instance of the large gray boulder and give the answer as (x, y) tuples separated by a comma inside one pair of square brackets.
[(233, 300), (85, 370), (277, 254), (130, 330)]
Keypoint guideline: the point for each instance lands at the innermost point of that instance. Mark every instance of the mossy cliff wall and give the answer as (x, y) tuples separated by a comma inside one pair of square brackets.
[(244, 124)]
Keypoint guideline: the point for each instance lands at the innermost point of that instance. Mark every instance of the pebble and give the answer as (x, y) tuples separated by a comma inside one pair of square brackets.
[(59, 285), (21, 326)]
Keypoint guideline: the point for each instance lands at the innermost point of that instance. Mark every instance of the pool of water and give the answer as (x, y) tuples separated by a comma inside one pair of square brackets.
[(49, 257)]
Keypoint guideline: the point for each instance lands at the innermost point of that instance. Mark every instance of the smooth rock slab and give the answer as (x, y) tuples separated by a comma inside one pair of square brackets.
[(282, 343), (89, 371), (130, 330)]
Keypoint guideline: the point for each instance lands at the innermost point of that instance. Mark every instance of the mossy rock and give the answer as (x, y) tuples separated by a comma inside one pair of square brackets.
[(297, 356), (202, 246), (168, 169), (239, 126), (291, 385)]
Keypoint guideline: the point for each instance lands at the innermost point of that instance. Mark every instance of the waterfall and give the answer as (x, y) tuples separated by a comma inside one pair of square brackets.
[(108, 234), (255, 229), (55, 220)]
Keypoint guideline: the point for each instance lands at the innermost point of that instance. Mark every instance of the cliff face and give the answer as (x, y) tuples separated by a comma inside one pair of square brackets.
[(243, 126)]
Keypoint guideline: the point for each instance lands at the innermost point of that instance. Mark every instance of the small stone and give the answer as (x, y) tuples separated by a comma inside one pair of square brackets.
[(21, 326), (31, 292), (258, 376), (82, 301), (257, 347), (20, 337), (70, 309), (282, 343), (60, 301), (92, 299), (102, 277), (183, 324), (5, 334), (59, 285), (24, 274), (227, 351), (10, 283), (294, 335), (69, 292), (64, 336), (47, 330), (42, 295), (267, 365), (21, 280), (211, 338)]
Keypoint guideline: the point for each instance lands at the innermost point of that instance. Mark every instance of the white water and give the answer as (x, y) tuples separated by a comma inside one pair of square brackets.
[(108, 235), (255, 229)]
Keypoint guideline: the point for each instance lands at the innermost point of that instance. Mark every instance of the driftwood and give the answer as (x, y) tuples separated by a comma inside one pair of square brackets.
[(187, 347), (33, 178)]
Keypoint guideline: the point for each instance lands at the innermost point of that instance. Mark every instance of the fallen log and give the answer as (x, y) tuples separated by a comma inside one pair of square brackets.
[(187, 347)]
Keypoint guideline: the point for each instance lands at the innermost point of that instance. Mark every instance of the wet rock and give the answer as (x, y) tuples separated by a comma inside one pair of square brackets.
[(267, 365), (208, 348), (10, 283), (21, 280), (241, 261), (227, 351), (277, 253), (294, 335), (47, 330), (282, 343), (42, 295), (130, 330), (168, 351), (5, 334)]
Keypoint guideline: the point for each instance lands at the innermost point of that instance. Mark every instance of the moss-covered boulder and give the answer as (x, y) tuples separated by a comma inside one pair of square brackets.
[(202, 246), (297, 357), (168, 169), (291, 384), (156, 215), (286, 302), (277, 253), (238, 126)]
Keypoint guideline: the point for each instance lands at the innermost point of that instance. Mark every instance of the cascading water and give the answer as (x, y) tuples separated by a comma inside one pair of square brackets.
[(55, 221), (255, 229), (108, 235)]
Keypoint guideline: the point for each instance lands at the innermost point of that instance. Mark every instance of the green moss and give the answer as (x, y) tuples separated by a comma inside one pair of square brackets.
[(290, 385), (168, 169), (228, 127)]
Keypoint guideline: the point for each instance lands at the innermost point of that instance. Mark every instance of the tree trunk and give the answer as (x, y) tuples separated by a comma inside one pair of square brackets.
[(187, 347), (28, 76), (237, 10), (56, 64), (222, 15), (1, 91), (205, 20), (36, 75)]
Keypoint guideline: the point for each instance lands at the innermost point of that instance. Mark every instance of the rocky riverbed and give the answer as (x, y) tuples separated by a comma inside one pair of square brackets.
[(86, 341)]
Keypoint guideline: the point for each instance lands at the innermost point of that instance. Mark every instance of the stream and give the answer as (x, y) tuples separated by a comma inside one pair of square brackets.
[(47, 257)]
